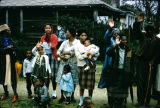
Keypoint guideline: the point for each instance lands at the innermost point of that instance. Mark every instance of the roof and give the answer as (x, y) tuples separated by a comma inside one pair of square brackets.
[(55, 3)]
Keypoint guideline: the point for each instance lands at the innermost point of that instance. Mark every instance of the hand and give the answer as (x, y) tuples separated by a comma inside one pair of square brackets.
[(63, 57), (90, 54), (111, 23), (66, 53), (50, 47), (118, 41), (49, 75), (38, 44)]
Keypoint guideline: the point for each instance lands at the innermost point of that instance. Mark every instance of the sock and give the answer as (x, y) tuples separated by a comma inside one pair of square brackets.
[(54, 93), (81, 101)]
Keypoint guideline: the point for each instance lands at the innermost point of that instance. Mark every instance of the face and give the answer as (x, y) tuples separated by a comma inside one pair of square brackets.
[(115, 34), (38, 82), (68, 34), (29, 53), (83, 37), (89, 104), (48, 29), (65, 70), (7, 33), (40, 50), (86, 43), (124, 40)]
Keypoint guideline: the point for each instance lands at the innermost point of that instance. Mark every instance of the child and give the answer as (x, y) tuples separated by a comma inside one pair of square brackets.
[(87, 103), (41, 94), (66, 83), (40, 64), (93, 49), (27, 70)]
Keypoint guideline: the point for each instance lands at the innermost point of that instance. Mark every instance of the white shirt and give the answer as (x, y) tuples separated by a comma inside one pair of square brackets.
[(93, 48), (121, 58), (27, 67), (80, 54), (65, 46)]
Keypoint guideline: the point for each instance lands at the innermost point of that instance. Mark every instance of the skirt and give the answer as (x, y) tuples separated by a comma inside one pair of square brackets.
[(87, 78)]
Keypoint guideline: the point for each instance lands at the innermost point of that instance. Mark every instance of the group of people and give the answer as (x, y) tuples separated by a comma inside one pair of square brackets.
[(74, 63), (124, 66)]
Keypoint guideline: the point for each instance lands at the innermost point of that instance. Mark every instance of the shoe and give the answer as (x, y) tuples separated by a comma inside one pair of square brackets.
[(86, 68), (78, 106), (73, 100), (4, 96), (14, 99), (54, 97), (61, 100)]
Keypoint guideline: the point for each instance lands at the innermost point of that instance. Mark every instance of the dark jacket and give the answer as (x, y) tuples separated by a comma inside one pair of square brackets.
[(114, 53), (128, 66), (3, 53)]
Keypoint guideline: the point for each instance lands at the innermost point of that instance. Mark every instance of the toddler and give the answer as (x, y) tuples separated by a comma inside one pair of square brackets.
[(66, 83), (93, 49)]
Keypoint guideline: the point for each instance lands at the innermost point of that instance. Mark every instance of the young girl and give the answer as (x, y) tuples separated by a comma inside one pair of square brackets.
[(49, 42), (66, 83), (27, 70), (40, 64)]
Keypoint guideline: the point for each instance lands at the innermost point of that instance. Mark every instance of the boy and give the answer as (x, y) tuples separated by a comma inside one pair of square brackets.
[(27, 70), (41, 93)]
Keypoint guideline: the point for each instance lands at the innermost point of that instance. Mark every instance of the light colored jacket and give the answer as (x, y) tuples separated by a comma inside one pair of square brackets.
[(35, 52), (66, 83)]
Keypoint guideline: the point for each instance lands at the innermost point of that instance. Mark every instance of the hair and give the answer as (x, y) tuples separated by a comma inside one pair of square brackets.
[(89, 41), (72, 31), (67, 67), (41, 79), (49, 25), (81, 31), (30, 52), (86, 100), (47, 38)]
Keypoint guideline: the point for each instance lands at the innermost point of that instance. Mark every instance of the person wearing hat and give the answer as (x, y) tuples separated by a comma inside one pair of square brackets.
[(7, 63)]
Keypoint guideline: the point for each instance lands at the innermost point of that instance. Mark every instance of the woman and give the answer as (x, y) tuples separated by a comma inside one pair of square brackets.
[(49, 42), (86, 78), (109, 38), (67, 56), (7, 63)]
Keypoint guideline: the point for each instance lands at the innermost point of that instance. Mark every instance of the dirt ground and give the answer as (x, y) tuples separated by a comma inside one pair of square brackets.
[(99, 97)]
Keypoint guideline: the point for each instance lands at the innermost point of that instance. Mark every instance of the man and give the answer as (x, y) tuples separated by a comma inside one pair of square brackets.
[(120, 74), (143, 75)]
